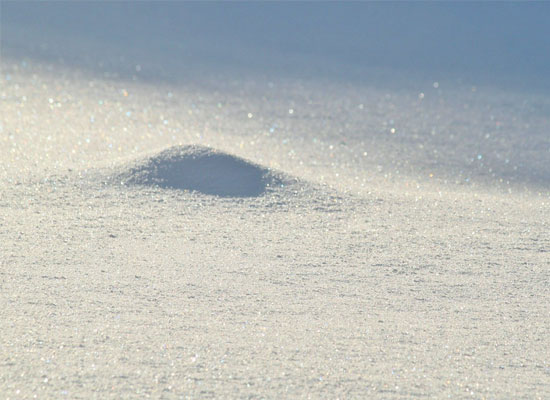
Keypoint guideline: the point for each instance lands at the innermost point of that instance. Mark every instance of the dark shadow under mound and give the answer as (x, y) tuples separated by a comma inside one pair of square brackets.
[(201, 169)]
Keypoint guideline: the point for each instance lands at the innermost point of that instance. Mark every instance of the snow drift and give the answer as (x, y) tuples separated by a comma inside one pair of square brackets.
[(201, 169)]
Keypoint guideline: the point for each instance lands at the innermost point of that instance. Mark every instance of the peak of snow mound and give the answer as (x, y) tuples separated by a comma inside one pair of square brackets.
[(201, 169)]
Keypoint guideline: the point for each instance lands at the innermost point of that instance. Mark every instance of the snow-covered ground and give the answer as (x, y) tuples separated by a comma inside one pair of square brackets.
[(274, 200)]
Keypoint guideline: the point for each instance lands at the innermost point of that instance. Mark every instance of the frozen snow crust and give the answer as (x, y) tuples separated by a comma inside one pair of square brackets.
[(401, 252)]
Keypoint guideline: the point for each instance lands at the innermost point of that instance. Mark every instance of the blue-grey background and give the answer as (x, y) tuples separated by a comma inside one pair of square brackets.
[(497, 43)]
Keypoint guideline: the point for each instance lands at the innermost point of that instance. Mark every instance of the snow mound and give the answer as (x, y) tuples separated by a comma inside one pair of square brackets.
[(201, 169)]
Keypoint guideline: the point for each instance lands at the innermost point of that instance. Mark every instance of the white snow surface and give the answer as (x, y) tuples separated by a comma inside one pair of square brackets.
[(274, 200)]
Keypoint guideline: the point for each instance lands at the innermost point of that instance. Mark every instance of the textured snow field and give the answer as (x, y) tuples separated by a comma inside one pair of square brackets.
[(247, 233)]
